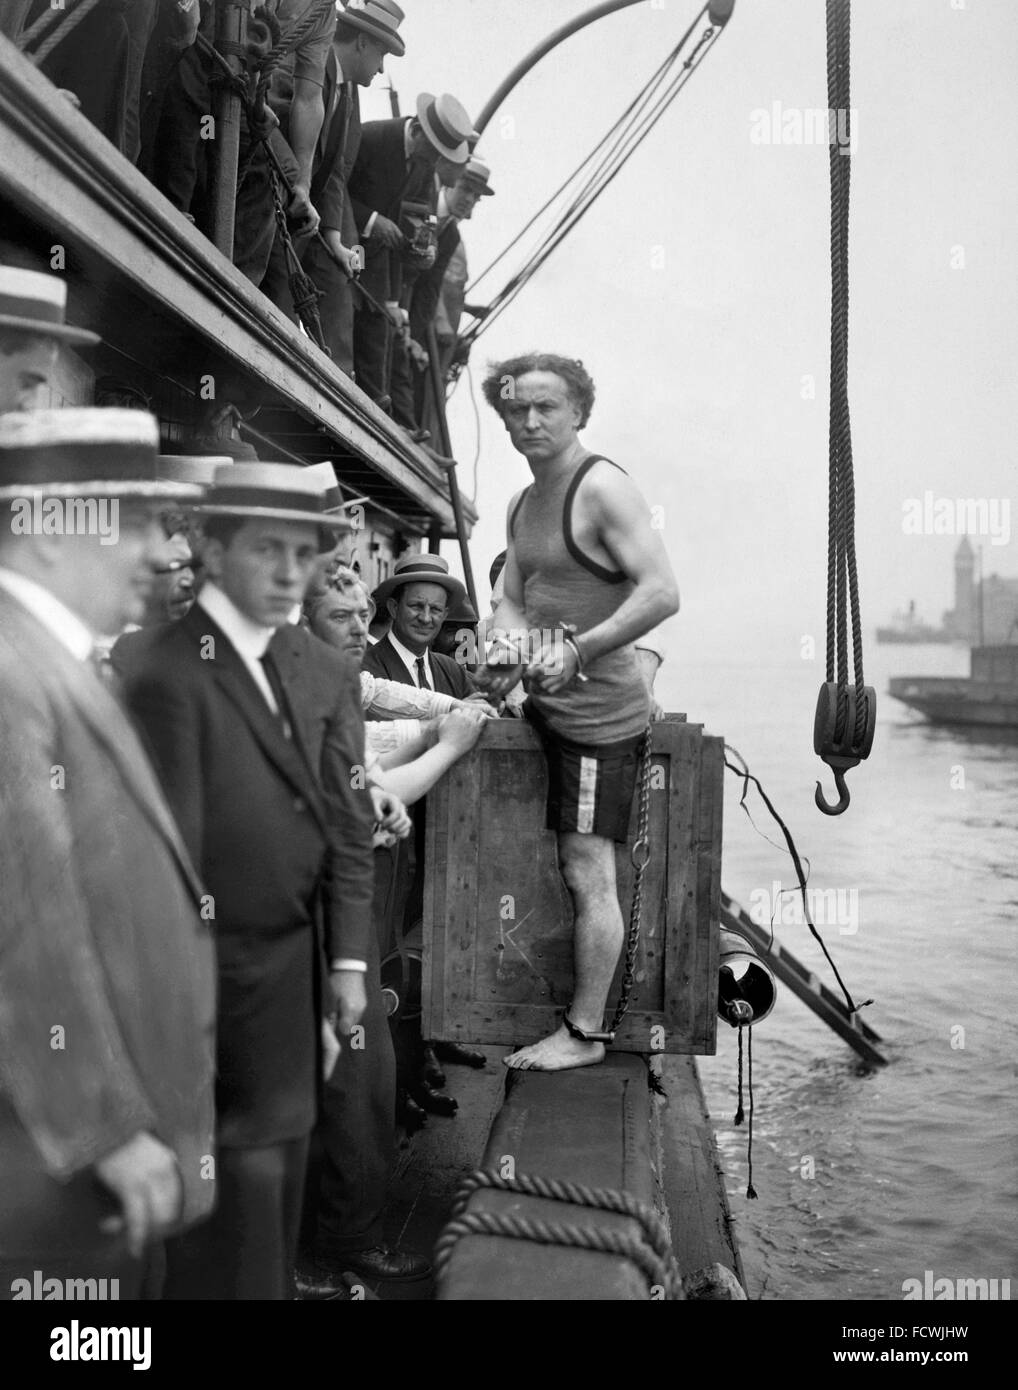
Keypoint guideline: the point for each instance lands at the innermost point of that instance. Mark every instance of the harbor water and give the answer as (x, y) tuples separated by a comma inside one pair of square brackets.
[(867, 1180)]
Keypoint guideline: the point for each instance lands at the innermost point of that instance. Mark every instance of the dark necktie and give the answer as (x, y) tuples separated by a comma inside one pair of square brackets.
[(278, 692), (422, 675)]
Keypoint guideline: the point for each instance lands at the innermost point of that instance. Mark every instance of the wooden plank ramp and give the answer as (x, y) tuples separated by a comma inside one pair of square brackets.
[(599, 1127)]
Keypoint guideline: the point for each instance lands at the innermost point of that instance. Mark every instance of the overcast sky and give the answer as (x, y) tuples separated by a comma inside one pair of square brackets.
[(697, 289)]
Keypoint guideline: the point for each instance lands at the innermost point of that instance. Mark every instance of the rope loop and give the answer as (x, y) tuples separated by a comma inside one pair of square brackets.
[(650, 1250)]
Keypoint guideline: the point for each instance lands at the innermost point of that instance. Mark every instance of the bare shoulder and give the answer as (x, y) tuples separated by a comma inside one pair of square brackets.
[(606, 487)]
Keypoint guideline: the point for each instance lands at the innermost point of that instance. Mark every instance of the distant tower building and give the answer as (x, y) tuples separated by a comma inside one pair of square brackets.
[(962, 621)]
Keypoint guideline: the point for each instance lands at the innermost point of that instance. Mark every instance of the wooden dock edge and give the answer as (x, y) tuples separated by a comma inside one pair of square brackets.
[(692, 1183)]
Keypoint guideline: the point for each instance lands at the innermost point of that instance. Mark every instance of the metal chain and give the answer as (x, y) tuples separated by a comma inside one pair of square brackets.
[(640, 857), (650, 1251)]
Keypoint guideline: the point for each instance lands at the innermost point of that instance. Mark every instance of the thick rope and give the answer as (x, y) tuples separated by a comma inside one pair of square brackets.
[(842, 572), (303, 290), (651, 1251), (68, 22)]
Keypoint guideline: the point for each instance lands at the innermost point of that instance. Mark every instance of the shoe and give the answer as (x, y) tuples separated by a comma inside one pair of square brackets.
[(409, 1114), (434, 1102), (417, 436), (384, 1263), (431, 1068), (461, 1056)]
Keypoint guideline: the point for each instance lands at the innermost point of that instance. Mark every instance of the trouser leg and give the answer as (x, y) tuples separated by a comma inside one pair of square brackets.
[(254, 228), (177, 152), (371, 352), (401, 386), (336, 307), (248, 1247), (357, 1133)]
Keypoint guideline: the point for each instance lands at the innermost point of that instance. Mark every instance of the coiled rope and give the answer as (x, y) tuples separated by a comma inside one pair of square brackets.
[(650, 1251)]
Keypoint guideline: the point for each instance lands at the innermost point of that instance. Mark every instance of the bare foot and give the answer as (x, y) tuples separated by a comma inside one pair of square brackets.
[(557, 1053)]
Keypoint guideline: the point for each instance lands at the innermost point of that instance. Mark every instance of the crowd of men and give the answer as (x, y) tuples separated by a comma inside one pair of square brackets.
[(369, 212), (211, 732)]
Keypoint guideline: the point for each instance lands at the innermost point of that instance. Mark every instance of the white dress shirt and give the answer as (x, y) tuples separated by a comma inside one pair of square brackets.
[(250, 640), (56, 617), (409, 659)]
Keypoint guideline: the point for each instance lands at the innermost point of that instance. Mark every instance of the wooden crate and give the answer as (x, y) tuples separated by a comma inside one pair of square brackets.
[(498, 921)]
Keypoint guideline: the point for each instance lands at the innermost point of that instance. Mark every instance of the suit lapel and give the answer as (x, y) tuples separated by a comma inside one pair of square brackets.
[(110, 726), (389, 657), (235, 682)]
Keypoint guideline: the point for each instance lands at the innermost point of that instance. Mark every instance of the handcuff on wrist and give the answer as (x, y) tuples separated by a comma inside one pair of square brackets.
[(569, 637)]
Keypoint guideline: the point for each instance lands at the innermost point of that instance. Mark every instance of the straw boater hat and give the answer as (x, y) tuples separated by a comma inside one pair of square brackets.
[(274, 491), (323, 475), (420, 569), (379, 19), (191, 468), (89, 452), (447, 126), (476, 173), (35, 303)]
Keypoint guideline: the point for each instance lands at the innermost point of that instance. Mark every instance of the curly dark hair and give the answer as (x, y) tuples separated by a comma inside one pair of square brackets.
[(577, 379)]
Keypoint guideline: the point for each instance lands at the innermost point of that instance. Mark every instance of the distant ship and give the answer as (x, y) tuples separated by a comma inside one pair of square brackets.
[(906, 627), (988, 696)]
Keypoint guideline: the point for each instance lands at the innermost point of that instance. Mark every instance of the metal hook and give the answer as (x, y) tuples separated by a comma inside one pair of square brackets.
[(839, 806)]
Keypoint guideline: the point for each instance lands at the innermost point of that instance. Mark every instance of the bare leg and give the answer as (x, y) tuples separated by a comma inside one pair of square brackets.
[(587, 863)]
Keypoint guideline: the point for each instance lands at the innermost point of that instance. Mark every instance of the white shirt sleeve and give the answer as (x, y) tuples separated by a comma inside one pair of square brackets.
[(397, 701)]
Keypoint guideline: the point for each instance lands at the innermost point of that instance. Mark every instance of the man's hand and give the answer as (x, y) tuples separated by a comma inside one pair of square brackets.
[(390, 813), (479, 703), (553, 668), (301, 213), (142, 1175), (330, 1049), (418, 355), (349, 261), (399, 317), (460, 730), (386, 233), (348, 990)]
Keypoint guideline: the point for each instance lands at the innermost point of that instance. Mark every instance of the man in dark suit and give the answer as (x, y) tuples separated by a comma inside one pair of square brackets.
[(257, 734), (395, 165), (456, 203), (107, 991), (417, 597)]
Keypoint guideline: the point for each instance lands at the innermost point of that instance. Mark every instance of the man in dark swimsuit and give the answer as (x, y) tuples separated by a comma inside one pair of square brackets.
[(582, 558)]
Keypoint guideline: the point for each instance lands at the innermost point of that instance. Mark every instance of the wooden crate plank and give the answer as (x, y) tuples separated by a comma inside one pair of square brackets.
[(499, 954)]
